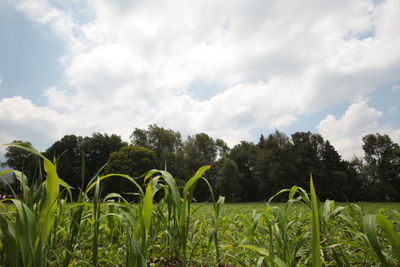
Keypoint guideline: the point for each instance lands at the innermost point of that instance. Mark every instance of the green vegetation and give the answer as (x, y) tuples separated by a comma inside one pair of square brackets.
[(165, 228), (255, 171)]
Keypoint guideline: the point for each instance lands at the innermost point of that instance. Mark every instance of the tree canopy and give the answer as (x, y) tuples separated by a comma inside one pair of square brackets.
[(245, 172)]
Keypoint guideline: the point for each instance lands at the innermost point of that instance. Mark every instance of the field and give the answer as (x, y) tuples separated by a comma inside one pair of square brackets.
[(241, 233), (164, 227)]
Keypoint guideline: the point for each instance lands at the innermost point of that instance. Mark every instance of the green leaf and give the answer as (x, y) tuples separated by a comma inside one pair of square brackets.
[(147, 208), (7, 229), (189, 186), (264, 252), (315, 234), (90, 187), (46, 217), (369, 225), (390, 233)]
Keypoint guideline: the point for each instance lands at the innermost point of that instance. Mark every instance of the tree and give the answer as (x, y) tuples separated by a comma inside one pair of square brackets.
[(307, 148), (67, 152), (167, 145), (131, 160), (333, 178), (284, 162), (200, 150), (382, 168), (98, 148), (222, 148), (21, 160), (228, 181), (139, 138), (339, 181), (8, 183), (245, 155), (261, 142), (275, 166)]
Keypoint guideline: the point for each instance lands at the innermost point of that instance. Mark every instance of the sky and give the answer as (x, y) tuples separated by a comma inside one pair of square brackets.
[(233, 69)]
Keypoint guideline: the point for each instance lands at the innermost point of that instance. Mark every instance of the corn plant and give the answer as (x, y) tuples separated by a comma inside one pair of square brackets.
[(25, 231), (315, 232), (41, 228), (329, 220), (76, 214), (216, 223), (286, 236), (178, 210), (391, 235), (371, 237)]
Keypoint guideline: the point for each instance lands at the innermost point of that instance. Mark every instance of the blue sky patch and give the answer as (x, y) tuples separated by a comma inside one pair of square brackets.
[(29, 57)]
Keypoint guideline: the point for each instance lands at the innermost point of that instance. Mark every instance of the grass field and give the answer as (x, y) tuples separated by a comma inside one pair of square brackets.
[(42, 229)]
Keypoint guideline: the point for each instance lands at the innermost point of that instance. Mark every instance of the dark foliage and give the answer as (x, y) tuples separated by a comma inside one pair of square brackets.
[(247, 172)]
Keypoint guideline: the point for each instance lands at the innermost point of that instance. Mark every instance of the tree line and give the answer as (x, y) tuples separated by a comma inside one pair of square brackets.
[(244, 173)]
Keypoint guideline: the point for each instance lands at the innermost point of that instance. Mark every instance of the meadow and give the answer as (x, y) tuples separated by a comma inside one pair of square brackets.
[(165, 227)]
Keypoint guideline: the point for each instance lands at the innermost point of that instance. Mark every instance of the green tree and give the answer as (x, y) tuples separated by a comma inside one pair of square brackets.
[(167, 145), (21, 160), (307, 148), (222, 148), (382, 168), (67, 152), (261, 142), (333, 177), (200, 150), (245, 155), (339, 180), (228, 181), (131, 160), (275, 166), (284, 162), (139, 138), (98, 148), (8, 183)]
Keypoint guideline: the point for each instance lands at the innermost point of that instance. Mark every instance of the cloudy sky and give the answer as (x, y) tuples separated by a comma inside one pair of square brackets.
[(233, 69)]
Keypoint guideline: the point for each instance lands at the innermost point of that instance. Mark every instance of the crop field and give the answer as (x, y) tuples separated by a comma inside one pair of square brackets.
[(164, 227)]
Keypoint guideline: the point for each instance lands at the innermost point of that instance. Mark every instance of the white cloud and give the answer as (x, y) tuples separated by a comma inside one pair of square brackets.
[(346, 133), (282, 121), (20, 119), (56, 98), (133, 65)]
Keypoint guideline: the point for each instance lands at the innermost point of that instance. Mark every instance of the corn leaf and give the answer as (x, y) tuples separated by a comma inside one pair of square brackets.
[(189, 187), (392, 236), (315, 234), (147, 209), (93, 184), (46, 217), (369, 225)]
